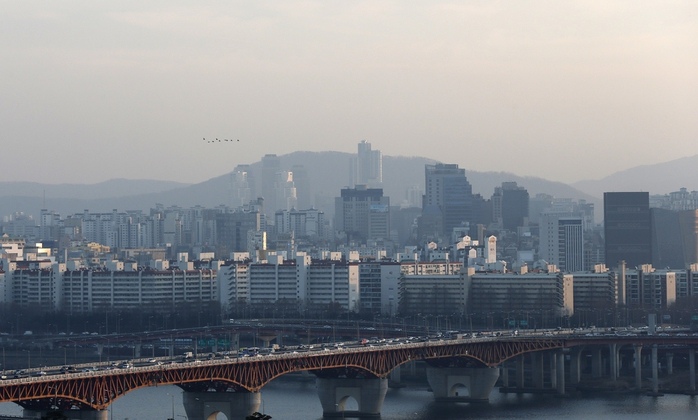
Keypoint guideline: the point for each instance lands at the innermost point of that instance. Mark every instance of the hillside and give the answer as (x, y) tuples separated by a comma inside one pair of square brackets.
[(328, 173), (660, 178)]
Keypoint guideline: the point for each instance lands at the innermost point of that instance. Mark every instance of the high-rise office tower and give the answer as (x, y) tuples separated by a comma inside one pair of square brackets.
[(510, 206), (271, 164), (667, 239), (233, 229), (285, 190), (448, 194), (367, 166), (562, 242), (688, 223), (301, 179), (240, 186), (363, 213), (627, 228)]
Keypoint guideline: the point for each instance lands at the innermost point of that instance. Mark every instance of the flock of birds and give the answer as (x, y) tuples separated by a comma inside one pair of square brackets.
[(217, 140)]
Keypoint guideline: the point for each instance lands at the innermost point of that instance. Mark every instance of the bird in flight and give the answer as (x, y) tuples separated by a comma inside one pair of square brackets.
[(219, 140)]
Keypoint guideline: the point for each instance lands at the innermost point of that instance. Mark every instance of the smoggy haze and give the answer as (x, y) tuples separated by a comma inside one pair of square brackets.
[(561, 90)]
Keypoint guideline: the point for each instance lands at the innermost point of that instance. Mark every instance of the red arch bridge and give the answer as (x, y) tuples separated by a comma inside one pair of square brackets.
[(457, 370)]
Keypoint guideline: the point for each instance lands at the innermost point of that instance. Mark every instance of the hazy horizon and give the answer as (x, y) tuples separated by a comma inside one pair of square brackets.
[(564, 91)]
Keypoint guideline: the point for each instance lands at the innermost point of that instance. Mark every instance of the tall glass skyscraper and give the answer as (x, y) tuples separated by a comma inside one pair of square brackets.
[(367, 166), (448, 190), (627, 228)]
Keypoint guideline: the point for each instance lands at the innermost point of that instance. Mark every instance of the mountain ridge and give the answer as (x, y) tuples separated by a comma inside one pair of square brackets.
[(657, 178), (328, 172)]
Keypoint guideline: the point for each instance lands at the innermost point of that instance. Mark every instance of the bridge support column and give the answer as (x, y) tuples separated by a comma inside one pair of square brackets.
[(613, 361), (395, 380), (100, 349), (368, 393), (70, 414), (234, 405), (670, 363), (692, 369), (520, 372), (638, 367), (575, 369), (137, 350), (538, 369), (596, 363), (266, 339), (462, 384), (560, 383), (504, 374), (655, 370), (553, 370)]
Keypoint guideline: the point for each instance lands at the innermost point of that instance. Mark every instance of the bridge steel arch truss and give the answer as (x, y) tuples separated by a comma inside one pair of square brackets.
[(96, 390)]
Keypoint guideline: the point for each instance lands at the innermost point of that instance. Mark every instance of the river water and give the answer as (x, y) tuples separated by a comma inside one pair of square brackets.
[(286, 399)]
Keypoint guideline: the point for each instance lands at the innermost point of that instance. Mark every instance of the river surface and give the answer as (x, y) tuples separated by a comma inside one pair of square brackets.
[(286, 399)]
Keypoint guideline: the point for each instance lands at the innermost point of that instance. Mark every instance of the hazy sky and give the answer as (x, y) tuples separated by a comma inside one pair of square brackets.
[(565, 90)]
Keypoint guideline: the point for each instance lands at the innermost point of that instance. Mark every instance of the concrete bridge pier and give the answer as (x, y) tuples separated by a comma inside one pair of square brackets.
[(655, 370), (334, 393), (596, 363), (613, 359), (553, 370), (235, 341), (207, 405), (267, 339), (504, 374), (575, 366), (560, 380), (70, 414), (538, 369), (692, 369), (137, 350), (395, 380), (670, 363), (520, 372), (462, 384), (638, 367)]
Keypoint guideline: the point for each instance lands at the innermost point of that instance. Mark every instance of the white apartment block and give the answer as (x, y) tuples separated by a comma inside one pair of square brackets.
[(298, 280), (333, 281), (93, 290), (35, 283), (378, 287), (650, 288), (269, 283), (233, 283), (544, 293), (595, 290), (434, 294), (47, 286), (417, 268)]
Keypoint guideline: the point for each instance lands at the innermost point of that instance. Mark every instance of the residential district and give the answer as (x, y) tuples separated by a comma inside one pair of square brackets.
[(509, 261)]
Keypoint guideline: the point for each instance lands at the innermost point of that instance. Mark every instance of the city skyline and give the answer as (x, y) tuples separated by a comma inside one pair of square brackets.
[(133, 89)]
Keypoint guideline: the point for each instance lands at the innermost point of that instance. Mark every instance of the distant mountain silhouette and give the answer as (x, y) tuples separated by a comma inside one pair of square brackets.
[(107, 189), (328, 173), (659, 178)]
